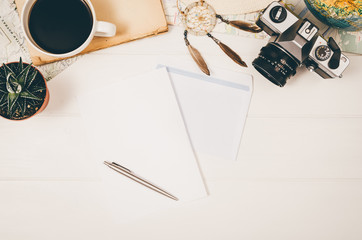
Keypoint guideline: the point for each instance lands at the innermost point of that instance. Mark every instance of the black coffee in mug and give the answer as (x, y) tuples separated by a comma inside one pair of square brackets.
[(60, 26)]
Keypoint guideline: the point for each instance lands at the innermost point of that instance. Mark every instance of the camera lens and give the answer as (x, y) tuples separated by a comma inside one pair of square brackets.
[(275, 64)]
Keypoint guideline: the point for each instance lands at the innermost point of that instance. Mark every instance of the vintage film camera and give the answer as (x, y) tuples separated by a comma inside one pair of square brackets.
[(295, 42)]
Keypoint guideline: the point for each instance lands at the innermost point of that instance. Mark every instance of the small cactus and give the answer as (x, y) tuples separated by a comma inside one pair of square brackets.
[(22, 90)]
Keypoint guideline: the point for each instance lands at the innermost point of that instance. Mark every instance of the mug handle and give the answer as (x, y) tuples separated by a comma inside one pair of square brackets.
[(105, 29)]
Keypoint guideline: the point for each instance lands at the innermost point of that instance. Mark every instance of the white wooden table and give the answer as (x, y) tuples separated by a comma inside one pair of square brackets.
[(298, 175)]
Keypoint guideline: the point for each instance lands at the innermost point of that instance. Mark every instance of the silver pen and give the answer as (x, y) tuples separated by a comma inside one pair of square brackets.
[(128, 173)]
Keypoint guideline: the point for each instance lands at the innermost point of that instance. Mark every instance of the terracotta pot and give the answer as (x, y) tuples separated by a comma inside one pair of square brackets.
[(46, 98)]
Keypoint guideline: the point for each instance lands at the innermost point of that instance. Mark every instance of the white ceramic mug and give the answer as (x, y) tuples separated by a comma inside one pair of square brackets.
[(99, 29)]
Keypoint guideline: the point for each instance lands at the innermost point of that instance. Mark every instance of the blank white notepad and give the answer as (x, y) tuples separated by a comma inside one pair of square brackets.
[(214, 108), (137, 123)]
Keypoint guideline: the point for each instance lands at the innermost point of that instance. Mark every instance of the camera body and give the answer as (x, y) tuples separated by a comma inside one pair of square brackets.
[(295, 42)]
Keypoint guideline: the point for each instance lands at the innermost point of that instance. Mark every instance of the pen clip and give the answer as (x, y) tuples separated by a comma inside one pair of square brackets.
[(120, 166)]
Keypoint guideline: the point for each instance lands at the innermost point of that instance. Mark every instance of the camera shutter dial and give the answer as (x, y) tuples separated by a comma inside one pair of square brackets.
[(323, 52), (278, 14)]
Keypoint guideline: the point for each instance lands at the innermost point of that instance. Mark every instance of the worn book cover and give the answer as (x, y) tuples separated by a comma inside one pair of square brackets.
[(134, 19)]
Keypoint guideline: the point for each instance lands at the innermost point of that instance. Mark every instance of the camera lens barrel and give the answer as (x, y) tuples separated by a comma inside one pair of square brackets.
[(275, 64)]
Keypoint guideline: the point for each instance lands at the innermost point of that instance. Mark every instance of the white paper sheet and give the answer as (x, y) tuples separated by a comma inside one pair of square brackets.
[(137, 123), (214, 108)]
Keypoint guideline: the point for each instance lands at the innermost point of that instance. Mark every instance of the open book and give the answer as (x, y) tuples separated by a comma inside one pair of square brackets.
[(134, 19)]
